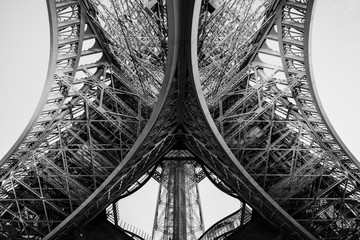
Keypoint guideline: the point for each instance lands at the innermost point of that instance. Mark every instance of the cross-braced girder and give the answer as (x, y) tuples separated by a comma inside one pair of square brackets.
[(258, 130), (90, 119), (136, 33), (178, 211), (287, 148)]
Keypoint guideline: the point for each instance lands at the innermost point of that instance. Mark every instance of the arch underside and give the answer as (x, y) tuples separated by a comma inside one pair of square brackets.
[(128, 88)]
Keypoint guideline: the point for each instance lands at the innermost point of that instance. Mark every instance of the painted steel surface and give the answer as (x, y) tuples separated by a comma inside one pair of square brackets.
[(228, 81)]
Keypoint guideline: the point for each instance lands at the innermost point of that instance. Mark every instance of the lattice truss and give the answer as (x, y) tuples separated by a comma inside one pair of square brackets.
[(94, 112), (266, 113), (178, 183), (137, 34), (109, 60)]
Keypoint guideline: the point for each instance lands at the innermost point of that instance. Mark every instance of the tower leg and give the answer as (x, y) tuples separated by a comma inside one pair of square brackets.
[(179, 203), (178, 212)]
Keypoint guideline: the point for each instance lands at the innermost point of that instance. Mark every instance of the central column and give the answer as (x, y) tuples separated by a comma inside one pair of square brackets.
[(179, 203), (178, 212)]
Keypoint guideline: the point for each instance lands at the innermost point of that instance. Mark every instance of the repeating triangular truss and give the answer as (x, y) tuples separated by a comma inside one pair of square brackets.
[(234, 89)]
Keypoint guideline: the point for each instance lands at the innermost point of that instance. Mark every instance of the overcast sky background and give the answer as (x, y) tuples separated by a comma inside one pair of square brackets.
[(24, 53)]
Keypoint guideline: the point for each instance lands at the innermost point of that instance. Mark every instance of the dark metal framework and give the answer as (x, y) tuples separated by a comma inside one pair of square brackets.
[(178, 212), (228, 81)]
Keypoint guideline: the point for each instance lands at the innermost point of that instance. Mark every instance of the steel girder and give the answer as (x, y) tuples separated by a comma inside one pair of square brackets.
[(289, 149), (178, 212), (90, 116), (181, 116), (264, 138)]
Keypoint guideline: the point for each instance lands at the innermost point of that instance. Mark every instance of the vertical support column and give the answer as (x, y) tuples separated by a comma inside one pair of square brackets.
[(180, 208), (164, 222), (178, 211)]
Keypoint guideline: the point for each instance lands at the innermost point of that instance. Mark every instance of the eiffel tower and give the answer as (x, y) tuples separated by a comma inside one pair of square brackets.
[(180, 90)]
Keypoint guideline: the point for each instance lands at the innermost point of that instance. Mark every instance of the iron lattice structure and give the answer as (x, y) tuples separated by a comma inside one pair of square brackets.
[(228, 81), (178, 211)]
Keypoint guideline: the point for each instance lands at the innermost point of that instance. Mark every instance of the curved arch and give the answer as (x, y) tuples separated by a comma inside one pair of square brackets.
[(313, 88), (49, 79), (214, 231), (144, 140), (266, 200), (138, 184), (71, 146), (220, 185), (193, 126)]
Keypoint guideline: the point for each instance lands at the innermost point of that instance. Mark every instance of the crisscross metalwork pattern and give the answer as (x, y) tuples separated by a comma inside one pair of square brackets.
[(129, 82)]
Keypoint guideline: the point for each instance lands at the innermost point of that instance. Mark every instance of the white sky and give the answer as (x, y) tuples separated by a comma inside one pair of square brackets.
[(139, 208), (24, 53), (336, 65)]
